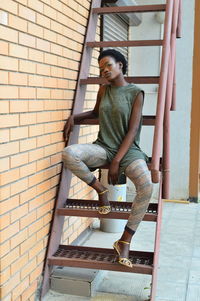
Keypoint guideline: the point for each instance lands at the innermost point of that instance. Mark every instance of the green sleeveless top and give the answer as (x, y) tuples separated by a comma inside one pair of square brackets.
[(114, 114)]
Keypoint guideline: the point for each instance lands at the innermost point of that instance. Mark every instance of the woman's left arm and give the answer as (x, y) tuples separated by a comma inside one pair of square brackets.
[(134, 123)]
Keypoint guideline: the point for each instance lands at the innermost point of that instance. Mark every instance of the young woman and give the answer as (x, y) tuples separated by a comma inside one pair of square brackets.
[(119, 109)]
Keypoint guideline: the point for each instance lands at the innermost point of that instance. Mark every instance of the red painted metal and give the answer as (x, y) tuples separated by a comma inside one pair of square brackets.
[(157, 145), (130, 9), (157, 244), (58, 221), (138, 43), (173, 106), (179, 28), (129, 79)]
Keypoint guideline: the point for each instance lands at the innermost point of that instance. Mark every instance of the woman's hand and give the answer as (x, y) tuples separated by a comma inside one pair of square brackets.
[(68, 128), (113, 172)]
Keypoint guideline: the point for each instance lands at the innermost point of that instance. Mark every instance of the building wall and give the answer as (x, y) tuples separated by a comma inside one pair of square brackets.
[(40, 50), (146, 61)]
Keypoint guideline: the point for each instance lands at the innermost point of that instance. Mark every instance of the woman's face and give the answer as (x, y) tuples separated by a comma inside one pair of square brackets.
[(109, 68)]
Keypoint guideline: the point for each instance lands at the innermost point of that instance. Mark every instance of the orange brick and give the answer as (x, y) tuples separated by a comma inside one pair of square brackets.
[(27, 220), (36, 202), (56, 71), (8, 34), (31, 265), (8, 92), (4, 276), (4, 193), (9, 176), (36, 5), (18, 51), (4, 221), (50, 35), (18, 264), (43, 20), (50, 150), (36, 55), (27, 66), (8, 63), (18, 212), (27, 40), (56, 49), (36, 105), (35, 30), (27, 118), (19, 133), (50, 12), (4, 106), (57, 94), (43, 140), (28, 170), (43, 69), (36, 273), (36, 130), (42, 187), (27, 144), (36, 226), (29, 291), (4, 164), (10, 231), (17, 291), (27, 244), (27, 92), (43, 164), (27, 195), (19, 159), (36, 154), (24, 2), (43, 45), (17, 23), (10, 6), (27, 13), (36, 178), (35, 251), (50, 82), (3, 77), (43, 117), (8, 287), (41, 211), (18, 238), (18, 78), (35, 80), (43, 93), (55, 159), (3, 48), (18, 106), (19, 186), (50, 105)]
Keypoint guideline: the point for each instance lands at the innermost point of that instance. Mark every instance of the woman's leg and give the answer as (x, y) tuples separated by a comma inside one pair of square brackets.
[(139, 174), (79, 158)]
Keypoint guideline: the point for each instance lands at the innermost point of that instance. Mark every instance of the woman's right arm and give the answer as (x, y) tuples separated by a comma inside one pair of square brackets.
[(86, 115)]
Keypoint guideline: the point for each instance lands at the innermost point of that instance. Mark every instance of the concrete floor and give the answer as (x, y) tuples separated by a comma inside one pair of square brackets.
[(179, 264)]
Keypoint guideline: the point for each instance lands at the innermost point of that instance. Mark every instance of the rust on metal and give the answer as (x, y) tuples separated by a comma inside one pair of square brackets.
[(101, 258)]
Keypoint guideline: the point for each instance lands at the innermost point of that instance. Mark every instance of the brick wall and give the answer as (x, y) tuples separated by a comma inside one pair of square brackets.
[(40, 49)]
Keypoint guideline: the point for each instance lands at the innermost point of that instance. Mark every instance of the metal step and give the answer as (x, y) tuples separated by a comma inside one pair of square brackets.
[(101, 259), (129, 9), (129, 79), (125, 43), (147, 120), (119, 210)]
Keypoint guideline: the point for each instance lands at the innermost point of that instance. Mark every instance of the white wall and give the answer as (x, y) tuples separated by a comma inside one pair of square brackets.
[(145, 61)]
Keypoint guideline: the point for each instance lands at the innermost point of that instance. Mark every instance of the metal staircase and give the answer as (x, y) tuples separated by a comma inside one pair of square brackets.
[(100, 258)]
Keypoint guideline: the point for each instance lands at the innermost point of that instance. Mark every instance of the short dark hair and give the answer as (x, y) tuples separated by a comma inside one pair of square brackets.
[(118, 56)]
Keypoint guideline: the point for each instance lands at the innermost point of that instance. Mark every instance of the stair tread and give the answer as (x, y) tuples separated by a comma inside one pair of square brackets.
[(101, 258), (130, 9), (119, 210), (147, 120), (130, 79), (125, 43)]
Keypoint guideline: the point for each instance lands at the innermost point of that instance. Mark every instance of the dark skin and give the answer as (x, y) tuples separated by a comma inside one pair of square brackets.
[(112, 71)]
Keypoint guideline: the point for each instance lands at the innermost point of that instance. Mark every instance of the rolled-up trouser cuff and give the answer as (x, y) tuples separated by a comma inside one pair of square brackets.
[(93, 181), (130, 231)]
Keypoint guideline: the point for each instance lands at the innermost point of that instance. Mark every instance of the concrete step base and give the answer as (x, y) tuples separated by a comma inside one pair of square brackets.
[(76, 281)]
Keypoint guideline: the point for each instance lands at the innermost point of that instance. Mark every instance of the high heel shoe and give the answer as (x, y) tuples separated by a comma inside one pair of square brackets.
[(122, 260), (104, 209)]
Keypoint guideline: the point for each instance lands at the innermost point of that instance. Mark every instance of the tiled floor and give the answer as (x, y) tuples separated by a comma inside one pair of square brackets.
[(179, 264)]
